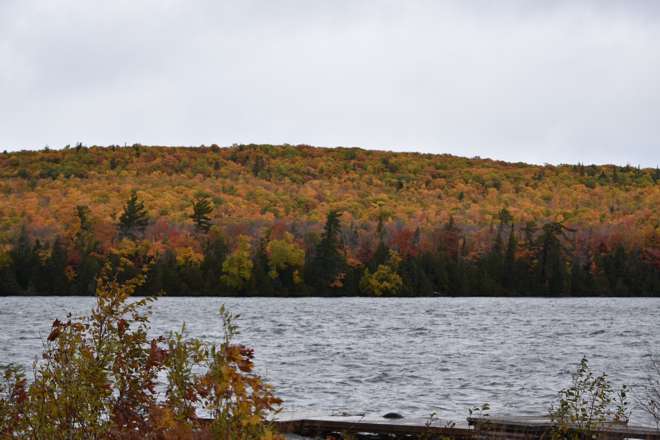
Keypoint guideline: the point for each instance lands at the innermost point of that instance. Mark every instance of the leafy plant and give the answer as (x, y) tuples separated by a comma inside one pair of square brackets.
[(99, 378), (237, 268), (427, 434), (12, 398), (479, 411), (385, 280), (285, 257), (650, 400), (587, 404)]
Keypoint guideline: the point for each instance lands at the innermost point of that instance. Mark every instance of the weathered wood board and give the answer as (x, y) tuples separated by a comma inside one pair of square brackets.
[(477, 428)]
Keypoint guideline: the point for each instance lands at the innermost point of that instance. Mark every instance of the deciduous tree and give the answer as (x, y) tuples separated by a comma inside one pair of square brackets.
[(237, 268)]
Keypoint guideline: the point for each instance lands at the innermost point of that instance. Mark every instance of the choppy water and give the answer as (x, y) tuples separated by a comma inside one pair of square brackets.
[(413, 356)]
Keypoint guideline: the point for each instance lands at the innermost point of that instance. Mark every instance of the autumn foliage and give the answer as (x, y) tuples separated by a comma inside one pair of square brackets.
[(299, 220), (102, 376)]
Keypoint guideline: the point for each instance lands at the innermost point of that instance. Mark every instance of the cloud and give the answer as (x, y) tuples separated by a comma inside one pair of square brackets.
[(532, 81)]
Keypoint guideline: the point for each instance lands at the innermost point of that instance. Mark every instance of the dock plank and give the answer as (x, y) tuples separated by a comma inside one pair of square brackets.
[(524, 428)]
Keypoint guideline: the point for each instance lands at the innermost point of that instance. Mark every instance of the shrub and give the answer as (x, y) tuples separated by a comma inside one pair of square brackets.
[(650, 400), (99, 378), (587, 404)]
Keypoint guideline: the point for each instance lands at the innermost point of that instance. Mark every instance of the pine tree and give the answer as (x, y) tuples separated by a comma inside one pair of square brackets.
[(134, 219), (258, 166), (509, 261), (215, 252), (328, 262), (84, 239), (24, 258), (261, 284), (86, 245), (494, 263), (55, 269), (551, 263), (201, 210)]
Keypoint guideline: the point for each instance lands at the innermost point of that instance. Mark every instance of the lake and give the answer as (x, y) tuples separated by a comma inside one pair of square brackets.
[(413, 356)]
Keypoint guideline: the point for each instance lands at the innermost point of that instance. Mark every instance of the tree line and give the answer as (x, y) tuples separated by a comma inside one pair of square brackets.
[(521, 260)]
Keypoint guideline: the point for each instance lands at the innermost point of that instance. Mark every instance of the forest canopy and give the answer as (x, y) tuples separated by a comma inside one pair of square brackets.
[(300, 220)]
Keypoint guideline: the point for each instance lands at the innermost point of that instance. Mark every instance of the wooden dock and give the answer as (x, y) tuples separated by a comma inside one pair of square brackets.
[(480, 428)]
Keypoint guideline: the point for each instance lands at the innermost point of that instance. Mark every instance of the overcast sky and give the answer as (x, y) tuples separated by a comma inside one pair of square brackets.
[(537, 81)]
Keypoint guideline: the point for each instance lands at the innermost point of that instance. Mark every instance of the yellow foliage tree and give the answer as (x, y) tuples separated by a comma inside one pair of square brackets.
[(285, 254), (385, 280), (237, 268)]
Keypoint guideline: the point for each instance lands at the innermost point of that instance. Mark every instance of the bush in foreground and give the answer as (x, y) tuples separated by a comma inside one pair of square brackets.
[(588, 404), (649, 401), (98, 379)]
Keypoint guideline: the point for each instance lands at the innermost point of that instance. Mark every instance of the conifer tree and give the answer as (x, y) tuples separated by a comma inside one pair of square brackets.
[(510, 260), (24, 258), (86, 245), (328, 262), (55, 269), (134, 219), (551, 263), (201, 210)]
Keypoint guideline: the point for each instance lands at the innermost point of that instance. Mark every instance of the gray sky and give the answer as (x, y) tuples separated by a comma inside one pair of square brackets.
[(530, 80)]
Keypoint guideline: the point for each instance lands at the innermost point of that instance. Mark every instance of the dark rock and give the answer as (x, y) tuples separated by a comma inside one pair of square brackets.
[(392, 415)]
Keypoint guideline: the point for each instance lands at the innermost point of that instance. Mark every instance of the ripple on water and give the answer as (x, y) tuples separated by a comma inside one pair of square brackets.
[(389, 354)]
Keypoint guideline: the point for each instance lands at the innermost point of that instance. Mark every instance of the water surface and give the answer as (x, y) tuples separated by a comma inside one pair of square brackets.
[(413, 356)]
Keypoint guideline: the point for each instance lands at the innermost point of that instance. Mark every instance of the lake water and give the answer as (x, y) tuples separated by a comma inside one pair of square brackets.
[(413, 356)]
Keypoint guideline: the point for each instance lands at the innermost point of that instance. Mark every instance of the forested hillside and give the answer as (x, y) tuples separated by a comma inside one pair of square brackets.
[(299, 220)]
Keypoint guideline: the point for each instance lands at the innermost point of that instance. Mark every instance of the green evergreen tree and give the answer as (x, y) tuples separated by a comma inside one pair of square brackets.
[(134, 219), (84, 239), (581, 279), (615, 270), (86, 273), (380, 255), (8, 284), (201, 209), (24, 259), (508, 275), (258, 166), (87, 246), (493, 266), (415, 280), (550, 257), (215, 252), (164, 276), (328, 262), (83, 213), (55, 269), (261, 284)]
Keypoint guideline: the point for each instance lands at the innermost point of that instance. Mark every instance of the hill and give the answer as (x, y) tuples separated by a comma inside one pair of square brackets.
[(282, 220)]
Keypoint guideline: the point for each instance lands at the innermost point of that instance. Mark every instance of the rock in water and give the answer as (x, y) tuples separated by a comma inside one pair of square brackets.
[(392, 415)]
